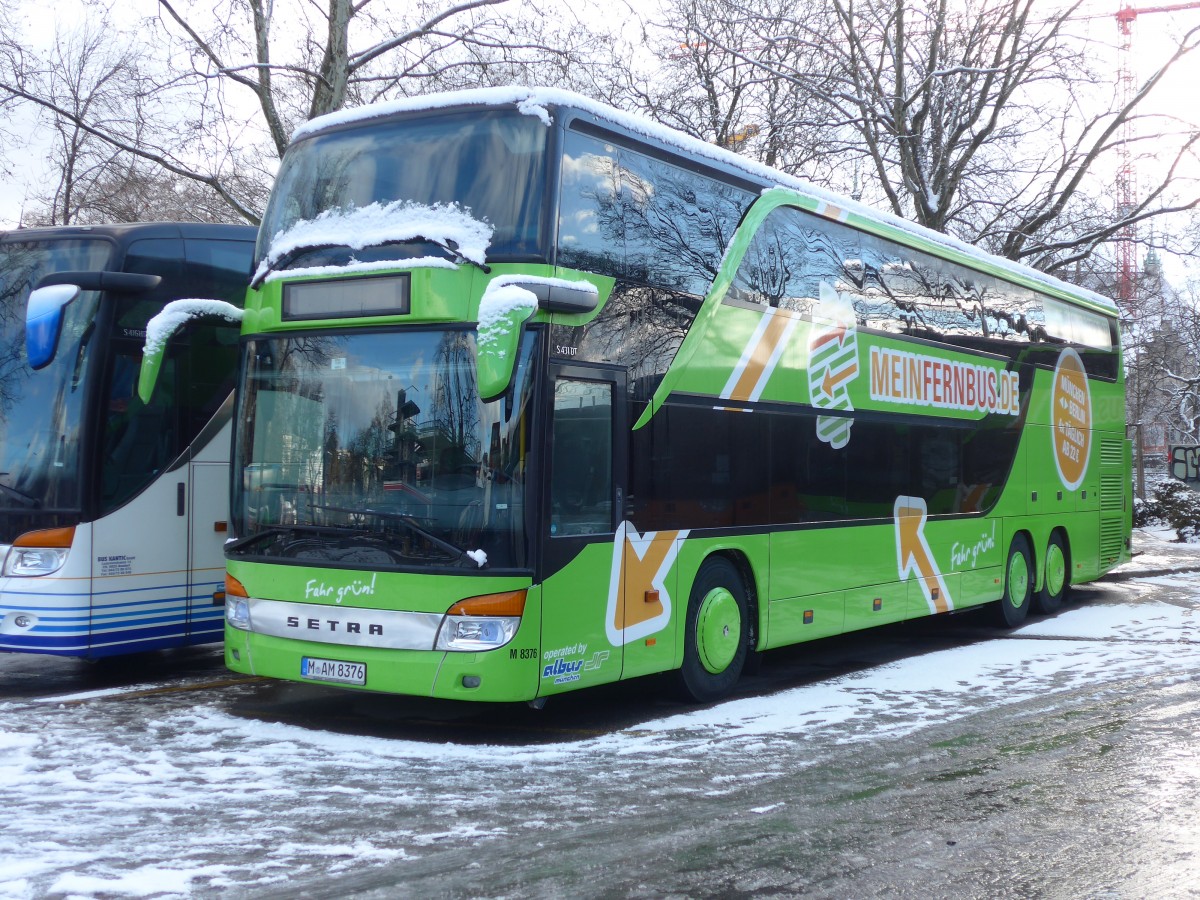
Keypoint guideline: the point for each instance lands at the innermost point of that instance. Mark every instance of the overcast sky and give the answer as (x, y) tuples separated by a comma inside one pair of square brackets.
[(1152, 42)]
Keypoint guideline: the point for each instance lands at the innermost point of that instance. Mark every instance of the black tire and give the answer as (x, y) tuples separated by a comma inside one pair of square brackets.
[(1013, 606), (716, 632), (1056, 576)]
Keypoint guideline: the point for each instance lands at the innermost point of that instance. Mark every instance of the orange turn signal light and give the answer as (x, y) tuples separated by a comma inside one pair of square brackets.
[(59, 538), (510, 603), (233, 587)]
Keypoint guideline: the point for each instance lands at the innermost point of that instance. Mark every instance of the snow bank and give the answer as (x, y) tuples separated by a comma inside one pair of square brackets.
[(177, 313)]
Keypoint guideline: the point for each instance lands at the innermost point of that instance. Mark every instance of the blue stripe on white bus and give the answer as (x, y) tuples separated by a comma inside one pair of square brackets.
[(112, 639)]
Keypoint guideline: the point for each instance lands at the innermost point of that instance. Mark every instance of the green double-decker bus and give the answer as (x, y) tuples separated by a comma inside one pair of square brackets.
[(536, 395)]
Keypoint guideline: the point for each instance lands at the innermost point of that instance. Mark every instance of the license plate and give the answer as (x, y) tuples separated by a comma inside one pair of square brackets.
[(333, 670)]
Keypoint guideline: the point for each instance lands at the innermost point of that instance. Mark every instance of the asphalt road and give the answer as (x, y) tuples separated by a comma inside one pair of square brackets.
[(942, 758)]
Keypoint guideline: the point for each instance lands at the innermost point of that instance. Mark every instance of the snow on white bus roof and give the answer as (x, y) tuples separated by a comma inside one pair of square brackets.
[(535, 100)]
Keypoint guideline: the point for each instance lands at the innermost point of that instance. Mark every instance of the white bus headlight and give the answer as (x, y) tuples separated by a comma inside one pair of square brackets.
[(481, 623), (237, 613), (474, 633), (237, 604), (39, 552), (34, 560)]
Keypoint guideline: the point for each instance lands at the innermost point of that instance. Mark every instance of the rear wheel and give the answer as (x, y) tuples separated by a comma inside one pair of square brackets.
[(716, 631), (1056, 580), (1013, 607)]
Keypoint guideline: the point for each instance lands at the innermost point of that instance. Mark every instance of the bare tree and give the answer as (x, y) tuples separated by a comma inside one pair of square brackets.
[(975, 118), (91, 78), (1162, 346), (220, 104), (705, 84)]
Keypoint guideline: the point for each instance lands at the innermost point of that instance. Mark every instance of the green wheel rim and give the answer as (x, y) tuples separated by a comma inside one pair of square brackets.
[(1056, 570), (718, 630), (1018, 580)]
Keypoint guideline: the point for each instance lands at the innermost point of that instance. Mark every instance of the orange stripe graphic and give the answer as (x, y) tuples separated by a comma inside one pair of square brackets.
[(760, 356)]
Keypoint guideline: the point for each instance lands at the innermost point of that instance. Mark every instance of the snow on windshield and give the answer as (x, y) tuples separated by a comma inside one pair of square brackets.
[(383, 223), (177, 313)]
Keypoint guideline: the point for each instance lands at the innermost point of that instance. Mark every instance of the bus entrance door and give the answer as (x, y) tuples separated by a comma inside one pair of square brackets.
[(582, 594), (208, 512)]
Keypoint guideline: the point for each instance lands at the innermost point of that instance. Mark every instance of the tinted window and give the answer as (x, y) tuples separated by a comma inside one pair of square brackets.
[(219, 269), (581, 485), (790, 256), (699, 467), (896, 289), (491, 164), (41, 412), (139, 441), (696, 467), (634, 216), (640, 328)]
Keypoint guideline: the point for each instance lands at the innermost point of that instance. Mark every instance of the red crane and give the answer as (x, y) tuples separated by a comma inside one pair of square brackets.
[(1127, 262)]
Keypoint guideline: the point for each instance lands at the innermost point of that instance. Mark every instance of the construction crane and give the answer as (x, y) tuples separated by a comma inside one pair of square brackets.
[(1127, 262)]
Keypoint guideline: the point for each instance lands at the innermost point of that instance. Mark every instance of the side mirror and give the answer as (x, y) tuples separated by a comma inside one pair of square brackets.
[(44, 310), (499, 339), (508, 302), (43, 322), (170, 319)]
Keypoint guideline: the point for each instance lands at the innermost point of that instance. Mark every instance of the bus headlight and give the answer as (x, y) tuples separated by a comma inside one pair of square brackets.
[(34, 560), (473, 633), (237, 613), (237, 604), (481, 623), (39, 552)]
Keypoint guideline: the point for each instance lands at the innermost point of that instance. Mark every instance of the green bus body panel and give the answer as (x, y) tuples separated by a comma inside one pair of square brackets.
[(617, 608), (438, 295), (433, 673)]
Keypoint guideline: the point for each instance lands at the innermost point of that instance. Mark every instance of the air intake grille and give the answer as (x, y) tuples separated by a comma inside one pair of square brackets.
[(1112, 534), (1112, 454)]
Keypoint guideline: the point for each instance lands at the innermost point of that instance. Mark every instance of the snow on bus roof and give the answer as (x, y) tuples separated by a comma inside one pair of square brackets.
[(536, 101)]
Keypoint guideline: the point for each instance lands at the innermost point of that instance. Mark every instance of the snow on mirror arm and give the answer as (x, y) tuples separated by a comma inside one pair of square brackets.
[(508, 302), (170, 319)]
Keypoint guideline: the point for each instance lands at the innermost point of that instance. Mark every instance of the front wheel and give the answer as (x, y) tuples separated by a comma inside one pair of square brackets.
[(1056, 577), (1013, 607), (716, 632)]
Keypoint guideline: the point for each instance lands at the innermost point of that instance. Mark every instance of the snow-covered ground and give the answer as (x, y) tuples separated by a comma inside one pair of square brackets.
[(161, 792)]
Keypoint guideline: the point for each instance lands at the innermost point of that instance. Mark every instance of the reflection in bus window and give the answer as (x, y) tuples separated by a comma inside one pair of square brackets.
[(581, 490)]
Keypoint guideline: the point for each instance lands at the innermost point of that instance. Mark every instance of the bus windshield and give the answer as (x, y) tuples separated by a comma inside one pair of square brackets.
[(41, 412), (374, 450), (492, 164)]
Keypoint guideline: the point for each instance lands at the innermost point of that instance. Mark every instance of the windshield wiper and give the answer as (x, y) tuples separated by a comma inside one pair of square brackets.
[(451, 247), (286, 259), (289, 257), (25, 499), (408, 522)]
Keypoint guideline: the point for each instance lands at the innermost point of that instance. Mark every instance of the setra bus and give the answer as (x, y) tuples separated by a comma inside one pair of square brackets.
[(536, 395), (113, 510)]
